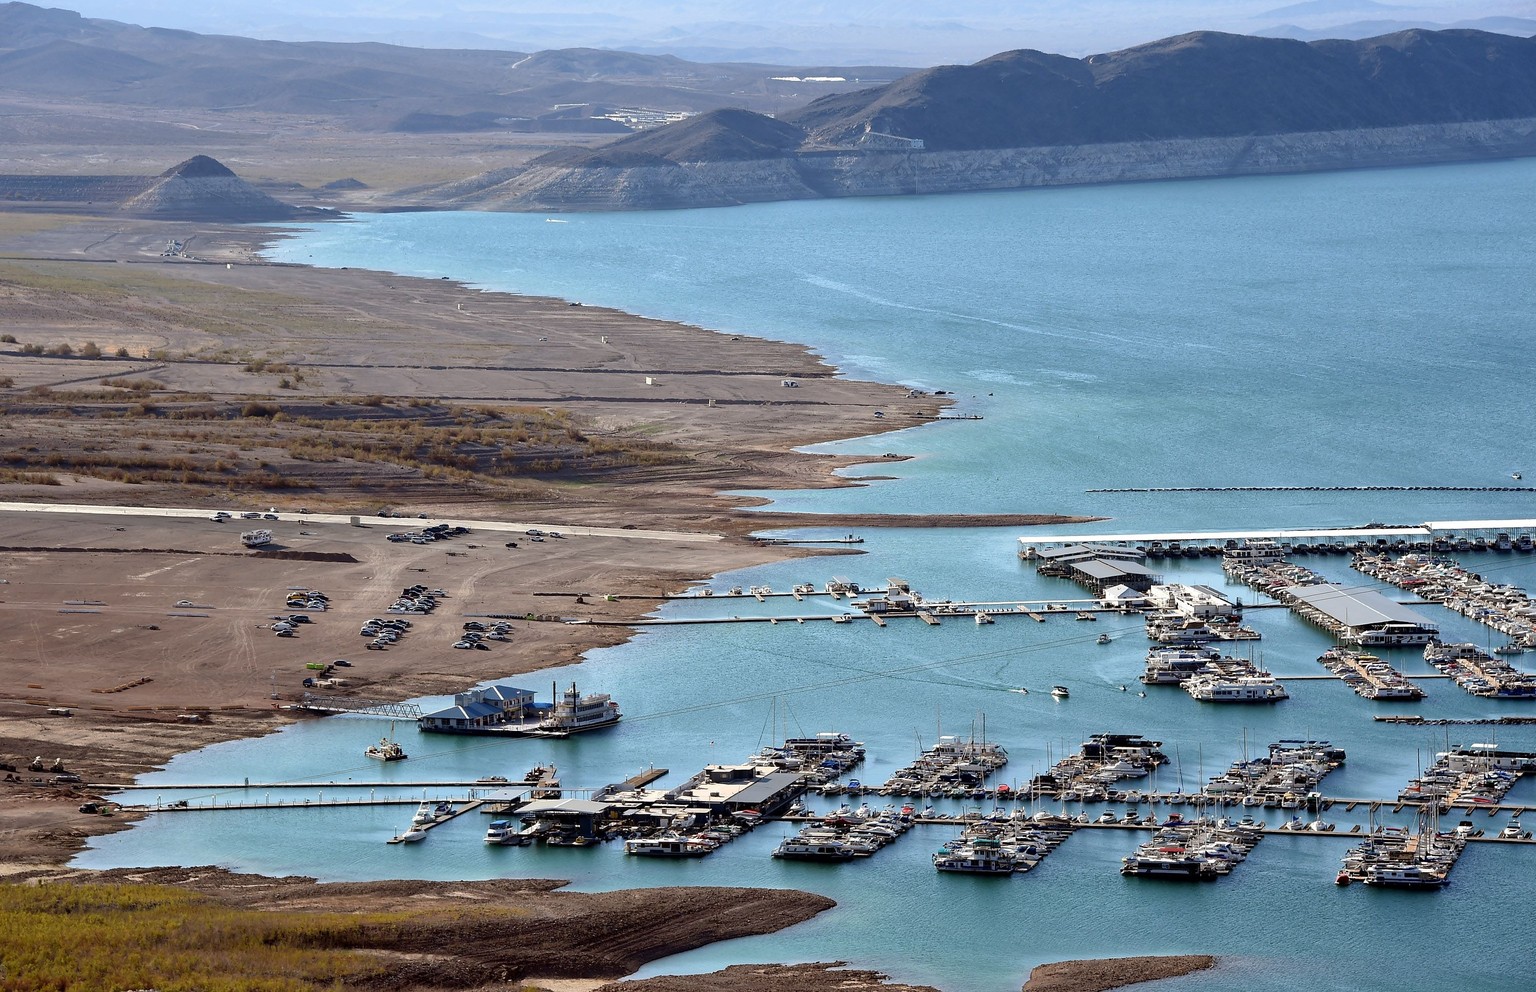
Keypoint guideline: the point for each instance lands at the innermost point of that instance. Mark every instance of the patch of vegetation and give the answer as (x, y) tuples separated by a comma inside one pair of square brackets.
[(104, 936), (14, 478), (231, 443)]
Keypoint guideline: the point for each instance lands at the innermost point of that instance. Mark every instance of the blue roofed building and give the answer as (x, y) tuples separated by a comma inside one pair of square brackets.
[(478, 709)]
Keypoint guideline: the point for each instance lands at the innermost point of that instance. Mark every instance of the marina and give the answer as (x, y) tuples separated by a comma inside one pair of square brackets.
[(1470, 777), (1398, 859), (1100, 763), (1369, 676), (1439, 579), (1148, 361), (1438, 536), (1354, 616), (953, 767), (1479, 672), (1200, 850)]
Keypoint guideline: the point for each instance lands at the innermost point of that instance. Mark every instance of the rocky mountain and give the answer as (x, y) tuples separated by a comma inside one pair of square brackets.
[(1201, 85), (1194, 105)]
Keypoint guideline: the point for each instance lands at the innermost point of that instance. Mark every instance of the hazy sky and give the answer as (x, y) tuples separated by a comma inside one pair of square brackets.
[(906, 32)]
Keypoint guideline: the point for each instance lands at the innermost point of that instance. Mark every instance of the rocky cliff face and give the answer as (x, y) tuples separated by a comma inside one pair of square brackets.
[(813, 175)]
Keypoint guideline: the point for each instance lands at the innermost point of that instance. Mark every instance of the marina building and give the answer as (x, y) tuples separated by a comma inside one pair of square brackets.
[(1195, 602), (1097, 567), (479, 709), (732, 788), (1360, 616)]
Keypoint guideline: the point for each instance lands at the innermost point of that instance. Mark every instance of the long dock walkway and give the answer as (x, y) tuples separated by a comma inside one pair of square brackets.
[(932, 613), (231, 786), (220, 807)]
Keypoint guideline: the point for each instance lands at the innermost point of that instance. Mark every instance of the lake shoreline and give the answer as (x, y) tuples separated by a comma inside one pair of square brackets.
[(108, 740)]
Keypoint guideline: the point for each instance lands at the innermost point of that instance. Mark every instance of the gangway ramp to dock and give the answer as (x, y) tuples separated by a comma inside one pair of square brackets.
[(317, 703)]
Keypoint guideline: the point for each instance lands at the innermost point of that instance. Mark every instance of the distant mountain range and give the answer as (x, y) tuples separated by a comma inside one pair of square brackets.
[(1406, 97), (791, 32), (52, 54), (1198, 104)]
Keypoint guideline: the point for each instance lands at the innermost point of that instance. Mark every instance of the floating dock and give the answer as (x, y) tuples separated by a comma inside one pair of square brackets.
[(953, 767), (1369, 676), (1421, 537)]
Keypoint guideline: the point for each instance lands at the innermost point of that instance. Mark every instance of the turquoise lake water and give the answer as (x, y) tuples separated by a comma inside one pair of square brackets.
[(1368, 328)]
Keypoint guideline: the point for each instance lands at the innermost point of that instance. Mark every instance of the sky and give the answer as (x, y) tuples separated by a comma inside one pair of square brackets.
[(792, 32)]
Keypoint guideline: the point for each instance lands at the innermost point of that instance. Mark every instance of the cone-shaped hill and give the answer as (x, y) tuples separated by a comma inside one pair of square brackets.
[(202, 188)]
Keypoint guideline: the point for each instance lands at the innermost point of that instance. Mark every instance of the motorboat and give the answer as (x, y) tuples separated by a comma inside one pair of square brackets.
[(410, 835), (505, 834), (1060, 691)]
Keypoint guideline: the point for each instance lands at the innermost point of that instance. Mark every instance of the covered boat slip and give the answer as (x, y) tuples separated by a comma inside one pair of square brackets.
[(1035, 545), (1358, 609)]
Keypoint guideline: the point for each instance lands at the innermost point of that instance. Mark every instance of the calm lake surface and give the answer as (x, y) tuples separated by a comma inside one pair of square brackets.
[(1353, 329)]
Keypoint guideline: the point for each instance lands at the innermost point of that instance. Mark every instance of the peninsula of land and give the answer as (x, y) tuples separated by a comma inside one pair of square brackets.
[(165, 364)]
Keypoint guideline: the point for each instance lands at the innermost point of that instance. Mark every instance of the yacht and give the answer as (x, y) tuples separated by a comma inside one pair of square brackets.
[(1411, 876), (668, 846), (1168, 862), (505, 834), (1243, 689), (979, 856), (1060, 691), (812, 849)]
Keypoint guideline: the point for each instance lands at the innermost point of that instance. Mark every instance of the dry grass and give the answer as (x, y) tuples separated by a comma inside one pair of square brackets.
[(62, 937), (265, 444)]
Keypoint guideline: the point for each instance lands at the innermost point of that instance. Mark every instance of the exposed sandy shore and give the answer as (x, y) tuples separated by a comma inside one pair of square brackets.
[(93, 621), (1102, 974)]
